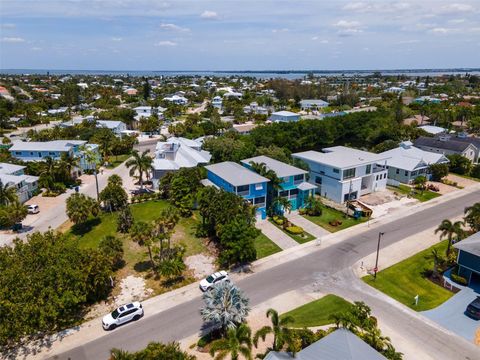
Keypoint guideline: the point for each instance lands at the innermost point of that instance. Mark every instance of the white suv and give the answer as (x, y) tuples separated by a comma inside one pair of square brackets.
[(213, 279), (33, 209), (122, 315)]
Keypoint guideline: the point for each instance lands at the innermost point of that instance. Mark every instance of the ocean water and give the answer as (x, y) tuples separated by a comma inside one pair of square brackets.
[(267, 74)]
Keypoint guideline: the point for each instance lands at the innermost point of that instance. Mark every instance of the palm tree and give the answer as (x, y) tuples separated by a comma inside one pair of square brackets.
[(17, 212), (274, 185), (472, 216), (225, 307), (92, 159), (68, 162), (448, 229), (115, 180), (48, 172), (8, 194), (141, 232), (279, 329), (282, 204), (237, 342), (141, 163)]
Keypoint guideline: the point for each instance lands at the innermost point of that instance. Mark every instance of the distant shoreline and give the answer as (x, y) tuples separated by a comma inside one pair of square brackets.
[(292, 74)]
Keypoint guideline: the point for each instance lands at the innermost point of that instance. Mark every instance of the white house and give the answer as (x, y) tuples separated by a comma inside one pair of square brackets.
[(284, 116), (177, 99), (115, 125), (341, 173), (407, 162), (312, 104), (176, 153), (14, 175), (254, 108), (217, 102)]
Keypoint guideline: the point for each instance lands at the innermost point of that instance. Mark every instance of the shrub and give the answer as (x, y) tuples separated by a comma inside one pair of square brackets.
[(335, 223), (459, 279), (278, 220), (295, 230), (438, 171), (475, 172)]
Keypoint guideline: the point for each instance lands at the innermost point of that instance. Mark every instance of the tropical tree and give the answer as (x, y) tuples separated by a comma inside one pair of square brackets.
[(472, 216), (92, 158), (279, 329), (237, 342), (141, 233), (68, 162), (313, 206), (124, 220), (226, 307), (8, 194), (17, 212), (80, 207), (282, 205), (141, 164), (153, 351), (273, 186), (448, 229), (114, 196), (420, 182)]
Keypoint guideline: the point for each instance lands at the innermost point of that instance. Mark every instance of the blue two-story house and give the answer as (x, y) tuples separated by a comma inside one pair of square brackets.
[(468, 259), (294, 185), (234, 178), (39, 151)]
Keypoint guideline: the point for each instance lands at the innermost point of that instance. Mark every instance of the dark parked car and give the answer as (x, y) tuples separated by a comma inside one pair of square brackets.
[(142, 191), (473, 309)]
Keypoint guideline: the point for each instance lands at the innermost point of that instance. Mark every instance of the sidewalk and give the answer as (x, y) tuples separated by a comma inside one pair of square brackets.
[(307, 225), (275, 234)]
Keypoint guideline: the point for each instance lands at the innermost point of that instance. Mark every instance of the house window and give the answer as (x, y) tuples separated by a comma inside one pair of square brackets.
[(258, 186), (348, 173), (31, 153), (51, 153), (336, 171), (19, 153), (369, 169), (298, 177), (283, 193), (385, 175), (293, 192), (414, 173), (259, 200), (318, 180), (376, 178), (406, 172), (243, 189), (397, 171)]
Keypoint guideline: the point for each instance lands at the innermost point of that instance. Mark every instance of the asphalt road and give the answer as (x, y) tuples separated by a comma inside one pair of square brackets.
[(332, 262)]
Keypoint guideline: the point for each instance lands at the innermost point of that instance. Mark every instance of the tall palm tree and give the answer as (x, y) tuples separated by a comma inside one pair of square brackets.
[(237, 342), (472, 216), (274, 185), (17, 212), (48, 172), (141, 163), (282, 204), (279, 329), (92, 159), (8, 194), (68, 162), (141, 233), (448, 229)]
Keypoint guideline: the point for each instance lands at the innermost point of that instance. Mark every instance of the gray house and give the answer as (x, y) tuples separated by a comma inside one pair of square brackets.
[(468, 259), (339, 345), (447, 145), (407, 162)]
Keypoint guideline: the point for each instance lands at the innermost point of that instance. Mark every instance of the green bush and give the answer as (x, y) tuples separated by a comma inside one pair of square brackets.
[(459, 279), (278, 220), (475, 172), (295, 230)]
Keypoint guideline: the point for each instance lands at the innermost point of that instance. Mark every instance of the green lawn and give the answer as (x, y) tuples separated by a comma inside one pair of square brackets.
[(318, 312), (329, 214), (301, 239), (265, 246), (117, 160), (407, 190), (96, 229), (404, 280)]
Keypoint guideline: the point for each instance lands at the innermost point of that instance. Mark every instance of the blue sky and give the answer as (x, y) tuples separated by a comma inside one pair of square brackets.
[(238, 34)]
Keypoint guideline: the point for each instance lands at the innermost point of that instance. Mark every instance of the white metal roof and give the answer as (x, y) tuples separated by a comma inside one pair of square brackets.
[(280, 168), (410, 158)]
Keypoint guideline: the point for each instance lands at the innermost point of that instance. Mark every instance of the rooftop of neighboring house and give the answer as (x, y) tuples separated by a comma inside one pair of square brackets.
[(443, 142), (338, 345), (419, 119), (176, 153), (244, 127), (17, 179), (408, 157), (55, 145), (285, 113), (470, 244), (280, 168), (341, 157), (8, 169), (235, 174), (314, 102), (431, 129)]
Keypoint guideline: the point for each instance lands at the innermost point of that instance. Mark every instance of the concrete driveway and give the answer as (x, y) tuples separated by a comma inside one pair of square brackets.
[(450, 314)]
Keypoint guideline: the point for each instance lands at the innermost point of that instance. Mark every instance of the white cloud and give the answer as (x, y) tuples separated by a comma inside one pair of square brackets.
[(280, 30), (413, 41), (456, 21), (13, 39), (117, 39), (321, 41), (8, 26), (210, 15), (166, 43), (348, 28), (442, 30), (36, 48), (456, 7), (380, 7), (346, 24), (173, 27)]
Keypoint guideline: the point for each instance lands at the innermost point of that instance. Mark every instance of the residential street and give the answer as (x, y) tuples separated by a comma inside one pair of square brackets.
[(326, 269)]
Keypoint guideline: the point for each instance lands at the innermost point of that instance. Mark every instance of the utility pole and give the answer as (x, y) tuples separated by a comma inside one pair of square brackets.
[(380, 234)]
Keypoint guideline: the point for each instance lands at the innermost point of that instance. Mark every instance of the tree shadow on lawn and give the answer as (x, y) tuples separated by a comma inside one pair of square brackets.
[(143, 266), (86, 227)]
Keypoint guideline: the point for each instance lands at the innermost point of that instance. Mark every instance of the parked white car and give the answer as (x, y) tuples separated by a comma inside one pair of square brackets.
[(33, 209), (213, 279), (122, 315)]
